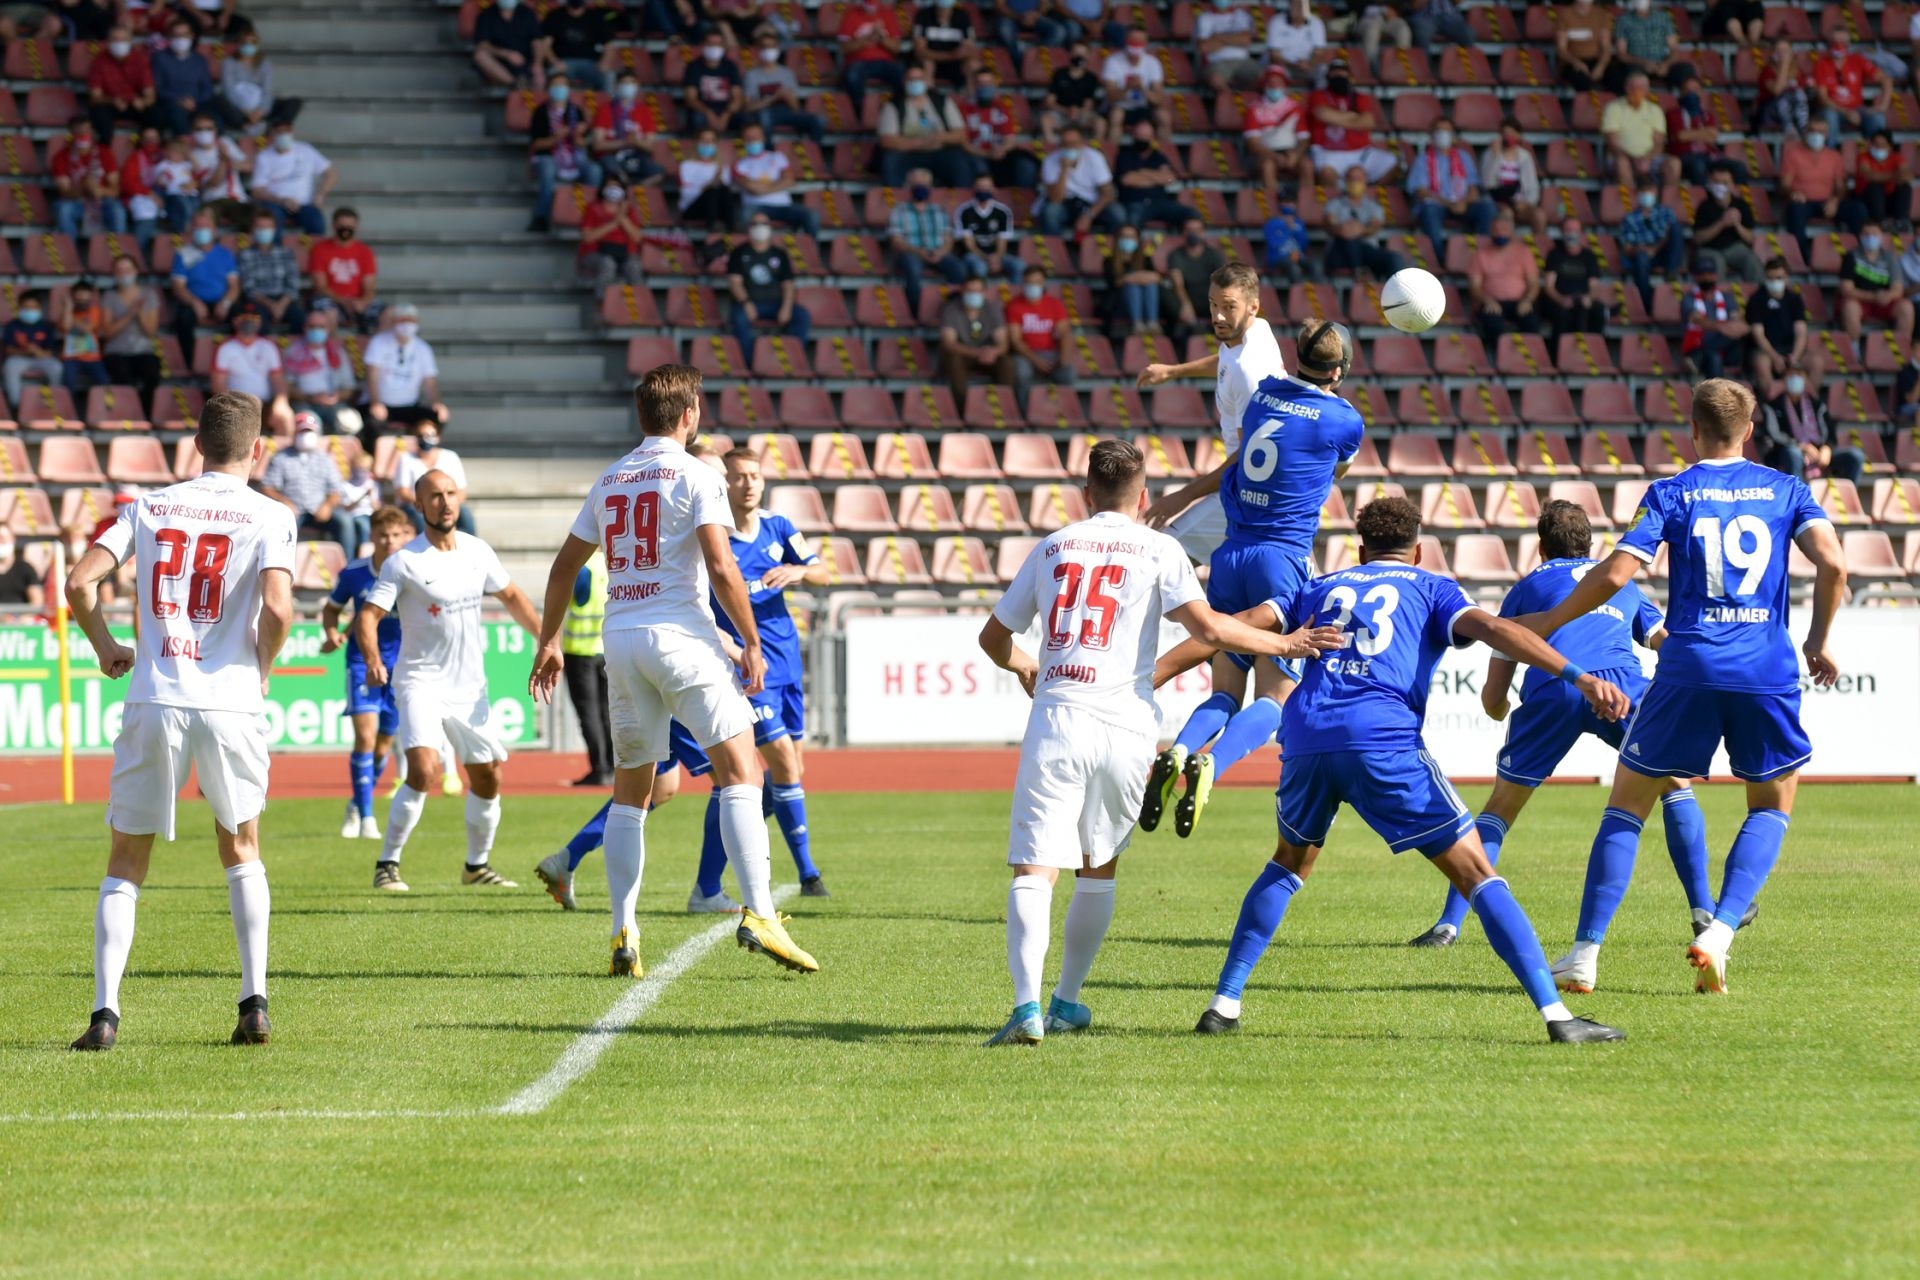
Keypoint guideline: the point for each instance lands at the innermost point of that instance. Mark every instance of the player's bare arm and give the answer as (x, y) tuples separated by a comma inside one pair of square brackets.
[(331, 637), (276, 620), (366, 633), (1600, 585), (996, 641), (83, 599), (1514, 641), (1254, 631), (1499, 683), (782, 576), (519, 608), (1155, 374), (547, 661), (1163, 511), (1820, 544), (731, 591)]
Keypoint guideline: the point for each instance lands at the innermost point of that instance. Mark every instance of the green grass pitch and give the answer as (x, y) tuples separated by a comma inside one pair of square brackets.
[(1383, 1111)]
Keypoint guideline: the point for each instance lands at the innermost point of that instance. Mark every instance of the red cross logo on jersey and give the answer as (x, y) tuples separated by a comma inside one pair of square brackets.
[(434, 609)]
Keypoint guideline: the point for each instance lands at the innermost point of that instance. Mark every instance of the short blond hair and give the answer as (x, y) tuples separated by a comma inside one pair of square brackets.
[(1722, 410), (664, 395)]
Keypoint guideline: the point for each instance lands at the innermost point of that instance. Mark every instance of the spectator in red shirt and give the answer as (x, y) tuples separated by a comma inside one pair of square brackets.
[(1272, 128), (870, 48), (1780, 103), (344, 271), (120, 85), (1882, 182), (992, 133), (84, 176), (1038, 334), (610, 239), (1841, 78), (1693, 135), (623, 133), (1341, 123)]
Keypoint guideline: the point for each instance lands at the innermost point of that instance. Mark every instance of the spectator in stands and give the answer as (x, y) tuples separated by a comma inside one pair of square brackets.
[(1443, 181), (1840, 89), (1777, 324), (1189, 268), (1148, 183), (1780, 102), (992, 134), (246, 86), (206, 282), (610, 238), (403, 379), (504, 37), (973, 339), (1872, 291), (1437, 22), (270, 276), (1134, 282), (1503, 284), (138, 179), (706, 193), (1715, 332), (1076, 96), (345, 272), (1136, 86), (1297, 41), (1354, 221), (1341, 124), (291, 179), (32, 346), (1635, 129), (120, 85), (428, 454), (773, 92), (919, 234), (1273, 131), (1693, 136), (1883, 182), (1795, 433), (1093, 20), (319, 372), (1020, 24), (760, 277), (219, 168), (1723, 226), (1378, 22), (130, 322), (711, 89), (1644, 41), (1285, 249), (923, 128), (943, 41), (85, 181), (80, 321), (983, 234), (558, 149), (1812, 182), (623, 134), (1567, 303), (1583, 45), (1223, 39), (306, 479), (1037, 336), (30, 22), (20, 582), (182, 80), (577, 39), (1739, 21), (764, 178), (1076, 187), (870, 48), (1651, 240), (1511, 179), (735, 20), (250, 363)]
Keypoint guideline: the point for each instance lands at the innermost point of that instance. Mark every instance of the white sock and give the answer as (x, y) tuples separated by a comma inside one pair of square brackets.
[(1716, 937), (743, 832), (1555, 1012), (402, 816), (626, 857), (483, 819), (1225, 1006), (112, 939), (1029, 926), (251, 904), (1088, 916), (1585, 953)]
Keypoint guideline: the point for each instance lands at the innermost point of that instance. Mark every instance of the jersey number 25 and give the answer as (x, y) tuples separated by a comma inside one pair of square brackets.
[(1096, 628)]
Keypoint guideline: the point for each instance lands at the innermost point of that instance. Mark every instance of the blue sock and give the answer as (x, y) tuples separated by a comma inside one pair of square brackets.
[(1493, 833), (1513, 940), (1609, 868), (766, 793), (1754, 852), (589, 837), (713, 854), (1687, 845), (790, 810), (1260, 914), (380, 767), (1209, 718), (360, 771), (1250, 729)]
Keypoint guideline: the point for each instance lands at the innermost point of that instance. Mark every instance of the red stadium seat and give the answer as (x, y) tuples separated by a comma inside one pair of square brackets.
[(801, 504), (1870, 555), (1461, 65), (780, 358), (1180, 409), (898, 356), (1626, 501), (1852, 401), (1091, 356), (70, 460), (833, 455), (1482, 557), (1166, 457), (1544, 453), (841, 359), (903, 455), (1372, 405), (1512, 505), (1896, 501), (968, 456), (1852, 436), (991, 508), (1481, 453), (1840, 500), (1013, 553), (1608, 404), (628, 306), (1055, 506), (992, 408), (1033, 457), (746, 409), (1400, 356), (1333, 512), (1583, 355), (14, 468), (808, 409), (1487, 404), (1448, 506), (1119, 408), (827, 307), (1414, 453), (962, 561), (1461, 355), (862, 508), (1050, 408), (1667, 451), (927, 508), (1667, 404), (1607, 453), (1539, 112), (882, 307), (779, 455), (45, 408), (1426, 405), (699, 308), (1433, 556), (868, 409), (842, 561), (1522, 355), (115, 409), (927, 408), (896, 562), (1583, 494)]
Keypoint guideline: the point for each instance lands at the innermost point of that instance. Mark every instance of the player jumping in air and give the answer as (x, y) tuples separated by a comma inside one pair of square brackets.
[(1726, 672), (214, 603), (435, 585), (1100, 588), (1351, 734), (661, 517), (372, 710), (1552, 716)]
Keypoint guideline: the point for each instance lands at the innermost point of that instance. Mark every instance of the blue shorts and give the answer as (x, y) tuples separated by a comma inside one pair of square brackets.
[(1402, 795), (1242, 575), (685, 752), (361, 699), (1546, 725), (779, 711), (1674, 730)]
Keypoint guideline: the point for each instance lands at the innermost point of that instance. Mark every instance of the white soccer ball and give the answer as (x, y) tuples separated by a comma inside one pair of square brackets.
[(1413, 300)]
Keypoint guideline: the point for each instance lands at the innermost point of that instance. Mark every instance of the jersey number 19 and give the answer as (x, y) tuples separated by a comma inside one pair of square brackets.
[(1730, 548)]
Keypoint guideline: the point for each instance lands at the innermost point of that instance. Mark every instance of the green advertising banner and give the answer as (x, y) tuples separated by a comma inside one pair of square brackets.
[(305, 700)]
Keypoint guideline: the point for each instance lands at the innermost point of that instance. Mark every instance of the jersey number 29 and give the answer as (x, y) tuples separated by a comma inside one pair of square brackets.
[(206, 578), (640, 518), (1096, 628)]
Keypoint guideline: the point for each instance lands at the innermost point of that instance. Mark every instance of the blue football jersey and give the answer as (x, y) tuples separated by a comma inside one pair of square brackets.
[(1371, 695), (774, 541), (1295, 436), (1602, 640), (1728, 524), (349, 590)]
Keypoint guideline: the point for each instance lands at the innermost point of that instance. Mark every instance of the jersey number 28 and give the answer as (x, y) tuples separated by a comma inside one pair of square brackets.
[(1096, 628), (206, 577), (640, 518)]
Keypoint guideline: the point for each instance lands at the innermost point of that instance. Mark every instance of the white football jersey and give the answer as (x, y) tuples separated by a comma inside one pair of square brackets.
[(1100, 588), (642, 513), (437, 596), (1243, 368), (199, 548)]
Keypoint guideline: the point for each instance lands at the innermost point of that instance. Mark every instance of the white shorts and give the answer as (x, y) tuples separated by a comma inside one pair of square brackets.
[(659, 674), (1078, 791), (428, 718), (1201, 528), (1280, 139), (1377, 162), (156, 746)]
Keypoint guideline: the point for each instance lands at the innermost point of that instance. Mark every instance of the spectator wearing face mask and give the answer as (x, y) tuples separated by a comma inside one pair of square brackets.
[(1777, 326), (1511, 179), (80, 321), (983, 235), (403, 379), (1872, 292), (270, 277), (428, 454), (943, 41), (922, 127), (1136, 86), (120, 85), (1844, 82), (1341, 122), (1693, 136), (557, 150), (773, 92), (32, 346), (206, 282), (992, 136), (1781, 102), (760, 278), (219, 170), (623, 133), (1444, 183), (1503, 285), (1723, 227), (1134, 284), (250, 362), (919, 234), (1284, 248), (973, 339), (577, 40), (306, 479), (711, 88), (1075, 96), (1715, 332), (1354, 220), (1148, 183), (20, 582), (246, 86), (319, 373), (870, 48), (176, 185), (1813, 182), (291, 179), (706, 193), (1038, 334), (86, 184), (1273, 131), (504, 37), (182, 81), (1795, 433), (137, 176), (345, 272), (610, 239), (130, 320), (1223, 37), (764, 178), (1076, 189), (1651, 240), (1883, 183), (1567, 303)]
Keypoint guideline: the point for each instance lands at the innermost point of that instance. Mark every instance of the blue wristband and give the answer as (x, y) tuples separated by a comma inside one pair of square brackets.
[(1571, 673)]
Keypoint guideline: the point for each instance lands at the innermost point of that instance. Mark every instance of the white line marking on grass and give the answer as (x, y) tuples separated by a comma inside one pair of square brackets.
[(80, 1117)]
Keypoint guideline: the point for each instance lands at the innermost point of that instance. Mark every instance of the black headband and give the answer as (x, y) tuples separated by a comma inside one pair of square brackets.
[(1308, 364)]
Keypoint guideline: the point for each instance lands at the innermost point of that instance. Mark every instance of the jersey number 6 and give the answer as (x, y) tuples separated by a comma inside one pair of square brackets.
[(1096, 629), (641, 518), (206, 582)]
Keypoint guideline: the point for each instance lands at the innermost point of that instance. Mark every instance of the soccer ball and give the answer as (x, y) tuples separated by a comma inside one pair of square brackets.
[(1413, 301)]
